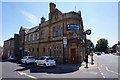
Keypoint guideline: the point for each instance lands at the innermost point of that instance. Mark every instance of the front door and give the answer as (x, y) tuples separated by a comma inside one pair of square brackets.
[(73, 52), (49, 52)]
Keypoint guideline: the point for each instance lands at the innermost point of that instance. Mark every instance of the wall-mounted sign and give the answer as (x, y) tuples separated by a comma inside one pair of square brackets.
[(73, 27), (64, 40), (74, 35)]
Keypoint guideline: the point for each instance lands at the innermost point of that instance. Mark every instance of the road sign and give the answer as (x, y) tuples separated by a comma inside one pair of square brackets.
[(64, 40), (64, 45)]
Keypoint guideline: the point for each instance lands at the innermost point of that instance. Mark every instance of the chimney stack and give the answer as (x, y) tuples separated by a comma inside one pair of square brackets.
[(52, 7), (42, 20)]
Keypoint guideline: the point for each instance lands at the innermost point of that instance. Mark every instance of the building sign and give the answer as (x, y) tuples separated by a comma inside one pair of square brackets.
[(64, 40), (73, 27)]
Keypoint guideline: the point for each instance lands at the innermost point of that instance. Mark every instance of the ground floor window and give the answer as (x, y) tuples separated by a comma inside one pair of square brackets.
[(43, 50), (57, 51), (33, 49), (37, 49)]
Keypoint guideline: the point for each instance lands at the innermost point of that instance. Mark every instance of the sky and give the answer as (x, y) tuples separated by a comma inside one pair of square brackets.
[(100, 17)]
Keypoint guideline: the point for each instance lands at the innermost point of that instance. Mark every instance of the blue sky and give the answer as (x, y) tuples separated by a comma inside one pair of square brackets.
[(100, 17)]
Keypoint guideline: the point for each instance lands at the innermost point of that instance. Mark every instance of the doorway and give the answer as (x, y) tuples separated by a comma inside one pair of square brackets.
[(73, 52)]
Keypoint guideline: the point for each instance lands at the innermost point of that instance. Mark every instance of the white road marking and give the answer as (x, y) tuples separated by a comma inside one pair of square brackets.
[(101, 72), (111, 71), (22, 73)]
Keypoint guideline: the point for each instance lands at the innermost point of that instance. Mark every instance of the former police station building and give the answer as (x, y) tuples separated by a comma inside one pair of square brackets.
[(61, 36)]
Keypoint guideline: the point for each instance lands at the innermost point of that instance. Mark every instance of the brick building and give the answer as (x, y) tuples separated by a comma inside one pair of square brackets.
[(46, 39), (11, 46)]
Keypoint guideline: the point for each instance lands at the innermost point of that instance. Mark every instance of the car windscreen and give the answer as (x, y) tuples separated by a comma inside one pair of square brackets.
[(13, 56), (41, 58), (31, 57), (50, 58)]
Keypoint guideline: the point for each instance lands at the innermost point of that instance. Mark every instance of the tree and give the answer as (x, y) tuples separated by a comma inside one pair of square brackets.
[(102, 45)]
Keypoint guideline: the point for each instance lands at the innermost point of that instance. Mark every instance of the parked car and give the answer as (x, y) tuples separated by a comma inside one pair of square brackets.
[(28, 59), (98, 53), (45, 61), (12, 58)]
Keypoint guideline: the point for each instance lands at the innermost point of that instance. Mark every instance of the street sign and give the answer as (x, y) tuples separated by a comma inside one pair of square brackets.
[(64, 45), (64, 40)]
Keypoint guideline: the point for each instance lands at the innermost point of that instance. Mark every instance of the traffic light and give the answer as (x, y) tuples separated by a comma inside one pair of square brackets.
[(91, 45)]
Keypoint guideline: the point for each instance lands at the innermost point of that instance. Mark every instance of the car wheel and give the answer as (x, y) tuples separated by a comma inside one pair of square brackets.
[(21, 62), (35, 64), (44, 65), (25, 62)]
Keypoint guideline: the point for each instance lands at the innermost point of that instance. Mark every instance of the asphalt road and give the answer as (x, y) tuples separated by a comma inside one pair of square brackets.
[(106, 66)]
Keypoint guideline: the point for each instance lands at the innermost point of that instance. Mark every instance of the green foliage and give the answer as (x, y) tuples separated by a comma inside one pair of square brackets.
[(102, 45)]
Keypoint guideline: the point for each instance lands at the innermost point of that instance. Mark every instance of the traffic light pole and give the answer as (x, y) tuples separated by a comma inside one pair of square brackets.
[(88, 32)]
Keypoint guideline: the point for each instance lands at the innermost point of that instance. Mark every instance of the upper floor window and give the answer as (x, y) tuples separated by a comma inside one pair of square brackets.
[(73, 27), (33, 37), (12, 43), (43, 34), (9, 43), (57, 31), (29, 37), (25, 38), (37, 35)]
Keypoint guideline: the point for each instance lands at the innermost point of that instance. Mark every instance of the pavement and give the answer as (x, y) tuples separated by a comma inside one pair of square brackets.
[(90, 66)]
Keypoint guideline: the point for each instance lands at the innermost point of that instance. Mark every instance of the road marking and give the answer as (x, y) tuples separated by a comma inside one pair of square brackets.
[(111, 71), (101, 72), (22, 73)]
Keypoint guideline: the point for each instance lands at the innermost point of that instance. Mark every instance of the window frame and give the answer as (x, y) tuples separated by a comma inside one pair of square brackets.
[(37, 35), (43, 34), (57, 31), (29, 37), (33, 37)]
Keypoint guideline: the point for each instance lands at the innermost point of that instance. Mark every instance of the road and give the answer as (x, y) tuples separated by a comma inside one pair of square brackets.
[(106, 66)]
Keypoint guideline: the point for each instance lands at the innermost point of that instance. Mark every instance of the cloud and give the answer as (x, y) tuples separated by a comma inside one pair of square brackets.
[(1, 43), (30, 17)]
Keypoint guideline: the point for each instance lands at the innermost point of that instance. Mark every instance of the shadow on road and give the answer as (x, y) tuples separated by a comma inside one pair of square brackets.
[(58, 69)]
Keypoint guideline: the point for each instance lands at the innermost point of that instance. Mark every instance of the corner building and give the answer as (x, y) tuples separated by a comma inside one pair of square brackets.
[(46, 39)]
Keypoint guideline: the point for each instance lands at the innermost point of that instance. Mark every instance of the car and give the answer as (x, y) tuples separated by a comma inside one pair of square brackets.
[(12, 58), (45, 61), (98, 53), (28, 59)]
